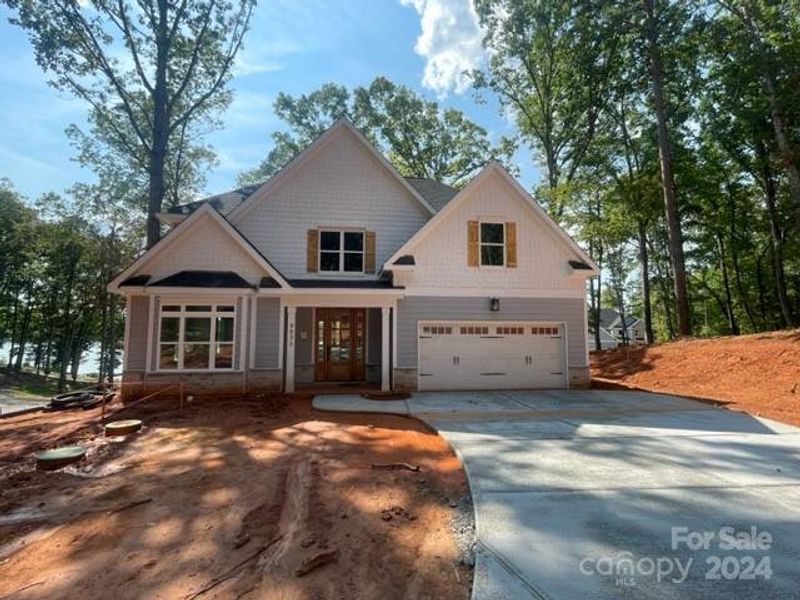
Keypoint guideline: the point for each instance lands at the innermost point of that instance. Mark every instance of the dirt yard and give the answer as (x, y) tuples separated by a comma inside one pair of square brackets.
[(233, 499), (759, 373)]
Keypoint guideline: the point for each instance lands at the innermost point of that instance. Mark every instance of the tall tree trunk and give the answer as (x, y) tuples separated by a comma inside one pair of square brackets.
[(597, 341), (66, 339), (762, 293), (737, 272), (674, 231), (158, 151), (770, 197), (663, 284), (644, 267), (730, 315), (23, 334), (13, 331)]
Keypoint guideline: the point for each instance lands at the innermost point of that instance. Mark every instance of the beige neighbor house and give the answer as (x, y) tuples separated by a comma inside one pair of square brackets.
[(339, 269)]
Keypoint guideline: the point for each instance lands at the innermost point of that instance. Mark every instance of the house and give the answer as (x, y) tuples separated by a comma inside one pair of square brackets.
[(611, 323), (338, 269)]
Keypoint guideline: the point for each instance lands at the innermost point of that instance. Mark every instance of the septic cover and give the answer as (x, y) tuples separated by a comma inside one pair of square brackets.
[(123, 427), (59, 457)]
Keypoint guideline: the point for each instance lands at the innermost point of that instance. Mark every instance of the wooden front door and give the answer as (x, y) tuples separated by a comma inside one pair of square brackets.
[(339, 344)]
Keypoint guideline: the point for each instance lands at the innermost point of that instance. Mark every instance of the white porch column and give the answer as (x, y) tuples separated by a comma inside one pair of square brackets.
[(291, 313), (385, 348)]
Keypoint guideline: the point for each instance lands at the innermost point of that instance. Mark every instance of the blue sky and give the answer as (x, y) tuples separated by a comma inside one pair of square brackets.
[(293, 46)]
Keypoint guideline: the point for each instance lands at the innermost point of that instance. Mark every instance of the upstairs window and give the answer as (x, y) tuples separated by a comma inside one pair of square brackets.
[(196, 336), (341, 251), (493, 244)]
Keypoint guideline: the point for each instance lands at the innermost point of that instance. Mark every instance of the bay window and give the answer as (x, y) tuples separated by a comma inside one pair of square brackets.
[(196, 336)]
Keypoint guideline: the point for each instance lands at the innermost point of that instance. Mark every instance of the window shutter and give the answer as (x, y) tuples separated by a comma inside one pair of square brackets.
[(511, 245), (312, 251), (369, 252), (473, 244)]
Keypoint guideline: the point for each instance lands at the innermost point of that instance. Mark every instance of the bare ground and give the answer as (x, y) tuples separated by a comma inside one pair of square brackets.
[(237, 497), (758, 374)]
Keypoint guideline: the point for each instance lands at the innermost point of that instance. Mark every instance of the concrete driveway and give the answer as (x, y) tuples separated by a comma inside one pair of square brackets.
[(603, 494)]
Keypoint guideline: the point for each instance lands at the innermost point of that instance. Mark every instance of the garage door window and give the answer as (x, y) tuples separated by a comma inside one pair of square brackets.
[(472, 330), (437, 330), (544, 331), (493, 244)]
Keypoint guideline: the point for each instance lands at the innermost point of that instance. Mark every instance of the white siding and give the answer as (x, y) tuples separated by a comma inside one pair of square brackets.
[(203, 247), (341, 185), (441, 255)]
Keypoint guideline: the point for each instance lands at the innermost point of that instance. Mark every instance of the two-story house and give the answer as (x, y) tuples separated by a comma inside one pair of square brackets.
[(339, 269)]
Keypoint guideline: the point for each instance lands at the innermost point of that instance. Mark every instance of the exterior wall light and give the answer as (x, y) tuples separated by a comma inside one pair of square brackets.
[(494, 304)]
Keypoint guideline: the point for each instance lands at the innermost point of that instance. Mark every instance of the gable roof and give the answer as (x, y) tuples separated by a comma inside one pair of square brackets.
[(177, 233), (609, 317), (494, 168), (341, 125), (435, 193)]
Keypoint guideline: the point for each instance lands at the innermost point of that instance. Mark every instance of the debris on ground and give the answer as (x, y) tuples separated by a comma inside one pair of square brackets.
[(756, 373), (227, 477), (316, 561), (397, 465)]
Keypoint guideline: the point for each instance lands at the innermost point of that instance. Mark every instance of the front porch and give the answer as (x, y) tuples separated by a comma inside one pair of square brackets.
[(335, 345)]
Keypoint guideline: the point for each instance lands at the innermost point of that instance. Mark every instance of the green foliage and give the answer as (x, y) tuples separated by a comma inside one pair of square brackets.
[(417, 136)]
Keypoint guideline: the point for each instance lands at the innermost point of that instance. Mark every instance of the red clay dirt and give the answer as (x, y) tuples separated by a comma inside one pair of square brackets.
[(758, 374), (236, 498)]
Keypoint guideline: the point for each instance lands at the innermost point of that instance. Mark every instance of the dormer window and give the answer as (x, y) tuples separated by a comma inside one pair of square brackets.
[(341, 251), (493, 244)]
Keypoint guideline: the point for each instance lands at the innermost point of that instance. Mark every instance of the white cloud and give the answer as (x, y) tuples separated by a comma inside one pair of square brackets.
[(450, 42)]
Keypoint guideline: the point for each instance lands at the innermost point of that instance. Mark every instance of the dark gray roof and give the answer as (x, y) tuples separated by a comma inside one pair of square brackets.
[(136, 280), (435, 193), (224, 202), (579, 265), (406, 259), (381, 284), (212, 279)]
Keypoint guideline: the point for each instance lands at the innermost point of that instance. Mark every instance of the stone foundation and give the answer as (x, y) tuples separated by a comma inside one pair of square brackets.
[(579, 377), (405, 380), (265, 380)]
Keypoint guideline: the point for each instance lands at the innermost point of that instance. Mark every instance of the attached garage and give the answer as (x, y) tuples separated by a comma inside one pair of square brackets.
[(475, 355)]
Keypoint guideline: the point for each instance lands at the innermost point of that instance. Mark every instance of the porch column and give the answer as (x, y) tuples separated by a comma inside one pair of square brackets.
[(291, 313), (385, 348)]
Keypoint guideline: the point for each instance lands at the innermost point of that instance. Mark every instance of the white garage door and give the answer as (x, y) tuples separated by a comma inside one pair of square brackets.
[(474, 355)]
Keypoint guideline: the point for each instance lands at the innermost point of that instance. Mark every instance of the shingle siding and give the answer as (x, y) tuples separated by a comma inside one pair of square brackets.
[(341, 185), (267, 340), (137, 332), (425, 308)]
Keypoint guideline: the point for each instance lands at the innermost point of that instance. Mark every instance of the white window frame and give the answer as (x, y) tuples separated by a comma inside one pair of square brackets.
[(341, 251), (481, 243), (182, 314)]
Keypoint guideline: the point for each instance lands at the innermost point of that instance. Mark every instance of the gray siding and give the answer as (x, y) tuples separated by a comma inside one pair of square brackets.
[(374, 336), (137, 331), (423, 308), (238, 336), (304, 325), (268, 344)]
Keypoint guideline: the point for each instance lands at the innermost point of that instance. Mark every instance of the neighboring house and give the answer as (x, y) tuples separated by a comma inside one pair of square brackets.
[(606, 339), (338, 269), (611, 323)]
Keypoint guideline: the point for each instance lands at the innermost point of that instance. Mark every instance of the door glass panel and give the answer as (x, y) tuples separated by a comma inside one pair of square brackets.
[(320, 340)]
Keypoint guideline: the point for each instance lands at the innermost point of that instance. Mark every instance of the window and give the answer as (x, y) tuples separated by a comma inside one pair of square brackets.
[(196, 336), (341, 251), (437, 330), (493, 244)]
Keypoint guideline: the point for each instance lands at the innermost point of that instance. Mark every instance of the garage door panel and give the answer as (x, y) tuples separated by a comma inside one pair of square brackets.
[(481, 356)]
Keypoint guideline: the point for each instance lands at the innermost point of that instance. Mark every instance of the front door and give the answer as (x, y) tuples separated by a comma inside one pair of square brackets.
[(339, 344)]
